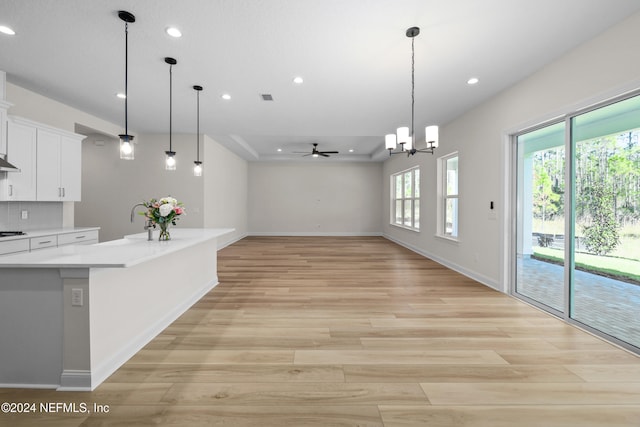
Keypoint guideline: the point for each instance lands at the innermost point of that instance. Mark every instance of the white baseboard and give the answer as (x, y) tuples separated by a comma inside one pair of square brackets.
[(21, 385), (455, 267), (314, 234), (74, 380)]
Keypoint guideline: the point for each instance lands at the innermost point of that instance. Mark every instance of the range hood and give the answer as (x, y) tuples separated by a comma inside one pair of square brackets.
[(6, 166)]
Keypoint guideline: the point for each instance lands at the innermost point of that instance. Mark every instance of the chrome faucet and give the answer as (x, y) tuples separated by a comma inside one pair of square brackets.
[(147, 224)]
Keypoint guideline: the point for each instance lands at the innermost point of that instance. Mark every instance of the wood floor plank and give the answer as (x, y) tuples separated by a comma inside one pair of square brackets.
[(357, 331), (510, 416), (532, 394), (408, 357), (288, 394)]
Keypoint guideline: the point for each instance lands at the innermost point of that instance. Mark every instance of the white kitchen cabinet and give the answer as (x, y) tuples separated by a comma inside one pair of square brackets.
[(43, 242), (4, 106), (14, 246), (86, 237), (59, 160), (21, 152)]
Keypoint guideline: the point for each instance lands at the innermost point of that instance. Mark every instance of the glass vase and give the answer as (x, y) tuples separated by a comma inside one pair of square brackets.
[(164, 232)]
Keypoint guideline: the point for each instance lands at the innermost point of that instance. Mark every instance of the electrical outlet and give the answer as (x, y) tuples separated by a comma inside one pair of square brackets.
[(76, 297), (24, 214)]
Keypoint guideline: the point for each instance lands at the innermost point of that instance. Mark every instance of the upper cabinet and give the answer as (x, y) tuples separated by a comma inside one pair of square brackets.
[(4, 106), (59, 161), (50, 162), (20, 186)]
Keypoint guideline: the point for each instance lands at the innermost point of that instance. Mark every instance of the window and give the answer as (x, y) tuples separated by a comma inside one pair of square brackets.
[(405, 199), (448, 201)]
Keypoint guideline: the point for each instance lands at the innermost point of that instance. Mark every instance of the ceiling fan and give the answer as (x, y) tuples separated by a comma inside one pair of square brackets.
[(315, 152)]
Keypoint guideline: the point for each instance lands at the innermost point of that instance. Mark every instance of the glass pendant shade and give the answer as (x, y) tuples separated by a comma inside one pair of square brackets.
[(197, 168), (402, 134), (126, 147), (431, 136), (390, 141), (170, 161)]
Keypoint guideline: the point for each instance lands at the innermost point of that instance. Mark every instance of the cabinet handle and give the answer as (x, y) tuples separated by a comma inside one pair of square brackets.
[(59, 192), (63, 192), (45, 242), (80, 237), (11, 189)]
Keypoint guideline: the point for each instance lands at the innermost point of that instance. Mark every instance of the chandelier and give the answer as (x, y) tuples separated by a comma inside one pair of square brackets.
[(402, 136)]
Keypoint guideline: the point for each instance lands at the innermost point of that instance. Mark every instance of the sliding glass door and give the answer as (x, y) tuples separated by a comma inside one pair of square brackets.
[(541, 220), (577, 242)]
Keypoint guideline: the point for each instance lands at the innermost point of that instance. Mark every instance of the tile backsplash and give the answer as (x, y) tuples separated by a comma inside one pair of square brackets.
[(40, 215)]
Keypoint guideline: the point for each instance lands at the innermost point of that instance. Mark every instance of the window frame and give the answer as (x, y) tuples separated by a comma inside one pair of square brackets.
[(444, 197), (414, 199)]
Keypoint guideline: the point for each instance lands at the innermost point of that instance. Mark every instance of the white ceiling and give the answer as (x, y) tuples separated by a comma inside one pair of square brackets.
[(354, 57)]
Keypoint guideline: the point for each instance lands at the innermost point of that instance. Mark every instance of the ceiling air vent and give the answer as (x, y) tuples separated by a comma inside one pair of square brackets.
[(267, 97)]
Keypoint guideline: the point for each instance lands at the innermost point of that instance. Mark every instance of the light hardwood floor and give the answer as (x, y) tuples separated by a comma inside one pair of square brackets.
[(355, 331)]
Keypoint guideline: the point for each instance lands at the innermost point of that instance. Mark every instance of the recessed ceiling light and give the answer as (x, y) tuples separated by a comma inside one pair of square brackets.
[(298, 80), (6, 30), (174, 32), (351, 150), (121, 95), (472, 81), (226, 96), (279, 150)]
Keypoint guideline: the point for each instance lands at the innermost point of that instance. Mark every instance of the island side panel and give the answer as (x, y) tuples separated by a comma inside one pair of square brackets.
[(31, 327), (130, 306)]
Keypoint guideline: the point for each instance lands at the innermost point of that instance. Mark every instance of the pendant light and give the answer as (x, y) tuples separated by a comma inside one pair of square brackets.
[(197, 168), (402, 136), (170, 161), (126, 140)]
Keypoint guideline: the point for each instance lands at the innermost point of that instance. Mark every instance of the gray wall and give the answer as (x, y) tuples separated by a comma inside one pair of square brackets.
[(320, 197)]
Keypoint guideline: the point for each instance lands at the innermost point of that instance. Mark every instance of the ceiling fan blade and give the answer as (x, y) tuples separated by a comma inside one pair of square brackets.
[(329, 152), (308, 154), (322, 154)]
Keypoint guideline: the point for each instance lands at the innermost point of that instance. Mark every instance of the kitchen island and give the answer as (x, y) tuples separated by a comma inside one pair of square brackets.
[(70, 316)]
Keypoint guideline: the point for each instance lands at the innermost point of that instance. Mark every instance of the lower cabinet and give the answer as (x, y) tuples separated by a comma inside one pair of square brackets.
[(30, 244)]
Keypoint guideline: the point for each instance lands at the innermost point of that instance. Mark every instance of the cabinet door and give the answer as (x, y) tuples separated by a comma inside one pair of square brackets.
[(70, 169), (21, 152), (48, 159), (3, 130)]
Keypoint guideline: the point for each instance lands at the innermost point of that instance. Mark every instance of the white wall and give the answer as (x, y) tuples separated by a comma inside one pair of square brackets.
[(225, 190), (307, 198), (603, 67)]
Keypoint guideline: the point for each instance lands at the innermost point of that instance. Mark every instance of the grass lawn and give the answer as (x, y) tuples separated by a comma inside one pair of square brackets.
[(624, 269)]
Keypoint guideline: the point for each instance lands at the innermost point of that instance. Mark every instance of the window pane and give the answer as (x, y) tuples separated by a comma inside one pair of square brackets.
[(408, 207), (416, 214), (540, 225), (398, 212), (452, 176), (407, 185), (416, 184), (451, 218), (603, 287), (398, 185)]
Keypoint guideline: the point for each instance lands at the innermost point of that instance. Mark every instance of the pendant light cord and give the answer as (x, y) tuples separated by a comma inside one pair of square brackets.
[(198, 130), (170, 103), (413, 100), (126, 79)]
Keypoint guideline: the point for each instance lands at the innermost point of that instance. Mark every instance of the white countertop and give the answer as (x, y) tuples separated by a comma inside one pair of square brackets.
[(48, 232), (126, 252)]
